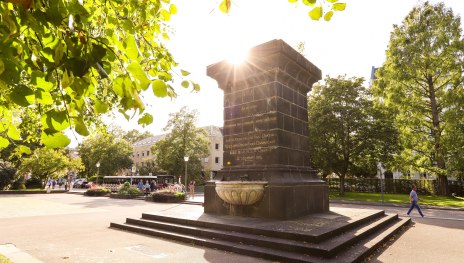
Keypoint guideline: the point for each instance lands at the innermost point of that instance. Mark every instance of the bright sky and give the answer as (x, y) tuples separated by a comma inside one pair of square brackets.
[(351, 43)]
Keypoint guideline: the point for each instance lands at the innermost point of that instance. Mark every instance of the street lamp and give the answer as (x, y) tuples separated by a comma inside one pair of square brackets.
[(98, 171), (186, 159)]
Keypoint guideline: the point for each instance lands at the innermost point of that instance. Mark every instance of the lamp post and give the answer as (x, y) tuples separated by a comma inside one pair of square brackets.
[(98, 172), (186, 159)]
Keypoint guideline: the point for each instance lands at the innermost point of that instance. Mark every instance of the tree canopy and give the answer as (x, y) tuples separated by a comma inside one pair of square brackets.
[(72, 60), (47, 163), (347, 134), (113, 154), (184, 139), (422, 83)]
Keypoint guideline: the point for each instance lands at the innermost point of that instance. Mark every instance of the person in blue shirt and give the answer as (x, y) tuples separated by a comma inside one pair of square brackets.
[(413, 199)]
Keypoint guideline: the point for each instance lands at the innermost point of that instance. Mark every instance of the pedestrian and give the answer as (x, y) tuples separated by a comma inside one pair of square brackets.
[(140, 185), (414, 199), (192, 189), (146, 188)]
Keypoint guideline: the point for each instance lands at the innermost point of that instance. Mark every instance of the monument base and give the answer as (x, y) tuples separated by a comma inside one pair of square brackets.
[(280, 201)]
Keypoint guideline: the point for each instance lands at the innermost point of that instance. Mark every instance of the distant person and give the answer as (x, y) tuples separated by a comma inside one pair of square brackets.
[(414, 199), (192, 189), (146, 188), (140, 185)]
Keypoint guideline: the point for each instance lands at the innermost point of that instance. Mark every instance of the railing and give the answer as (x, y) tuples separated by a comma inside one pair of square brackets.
[(393, 186)]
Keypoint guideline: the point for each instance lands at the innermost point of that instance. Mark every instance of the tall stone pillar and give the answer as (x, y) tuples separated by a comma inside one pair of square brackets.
[(266, 132)]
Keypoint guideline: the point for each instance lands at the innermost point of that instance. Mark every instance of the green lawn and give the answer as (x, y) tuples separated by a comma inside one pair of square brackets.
[(400, 198)]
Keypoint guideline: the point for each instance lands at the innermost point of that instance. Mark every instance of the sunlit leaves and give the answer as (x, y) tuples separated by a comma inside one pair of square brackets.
[(55, 140), (14, 133), (55, 120), (22, 95), (132, 51), (139, 75), (309, 2), (184, 73), (80, 127), (146, 119), (339, 6), (3, 143), (2, 66), (159, 88), (322, 8), (328, 16), (315, 13), (101, 107), (225, 6)]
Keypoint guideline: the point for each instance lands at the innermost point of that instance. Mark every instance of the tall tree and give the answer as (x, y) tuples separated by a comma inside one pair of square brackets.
[(112, 153), (47, 163), (421, 80), (184, 139), (347, 134), (135, 135)]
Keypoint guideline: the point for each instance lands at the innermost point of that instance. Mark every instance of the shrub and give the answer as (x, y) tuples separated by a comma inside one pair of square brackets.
[(7, 174), (34, 183), (18, 184), (129, 190), (97, 192), (167, 196)]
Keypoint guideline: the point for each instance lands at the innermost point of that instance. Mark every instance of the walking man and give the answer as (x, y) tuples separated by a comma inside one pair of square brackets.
[(413, 199)]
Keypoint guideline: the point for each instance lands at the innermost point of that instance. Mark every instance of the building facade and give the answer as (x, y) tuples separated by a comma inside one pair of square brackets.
[(212, 163)]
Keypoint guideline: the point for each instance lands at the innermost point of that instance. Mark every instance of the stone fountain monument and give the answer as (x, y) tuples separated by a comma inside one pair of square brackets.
[(266, 170)]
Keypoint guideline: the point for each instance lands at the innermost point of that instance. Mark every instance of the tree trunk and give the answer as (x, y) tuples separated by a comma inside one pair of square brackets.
[(342, 185), (442, 185)]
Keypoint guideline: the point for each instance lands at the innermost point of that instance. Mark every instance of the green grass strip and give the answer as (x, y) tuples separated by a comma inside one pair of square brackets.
[(400, 198)]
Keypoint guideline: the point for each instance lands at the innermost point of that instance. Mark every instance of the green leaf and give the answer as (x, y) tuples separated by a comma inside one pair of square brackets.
[(66, 80), (292, 1), (328, 15), (339, 6), (173, 9), (14, 133), (316, 13), (146, 119), (59, 51), (55, 120), (185, 84), (165, 15), (80, 127), (2, 67), (101, 107), (196, 87), (184, 73), (22, 95), (55, 140), (159, 88), (130, 45), (309, 2), (139, 75), (43, 97), (22, 149), (225, 6), (332, 1), (38, 78), (3, 143)]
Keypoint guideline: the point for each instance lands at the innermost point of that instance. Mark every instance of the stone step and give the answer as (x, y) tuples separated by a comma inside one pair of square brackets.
[(366, 246), (322, 249), (352, 253), (316, 236)]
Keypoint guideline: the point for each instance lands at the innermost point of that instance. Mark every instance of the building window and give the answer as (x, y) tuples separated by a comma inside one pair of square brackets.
[(217, 146), (216, 159), (206, 159), (143, 154), (138, 155), (148, 153)]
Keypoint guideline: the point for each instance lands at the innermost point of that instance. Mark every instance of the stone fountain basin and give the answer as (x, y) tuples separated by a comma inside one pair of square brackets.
[(240, 192)]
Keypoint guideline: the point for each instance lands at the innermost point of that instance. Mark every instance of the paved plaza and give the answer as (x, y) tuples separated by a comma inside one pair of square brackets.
[(75, 228)]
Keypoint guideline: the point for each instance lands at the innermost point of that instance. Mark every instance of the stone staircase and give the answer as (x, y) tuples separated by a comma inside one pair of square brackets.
[(335, 240)]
